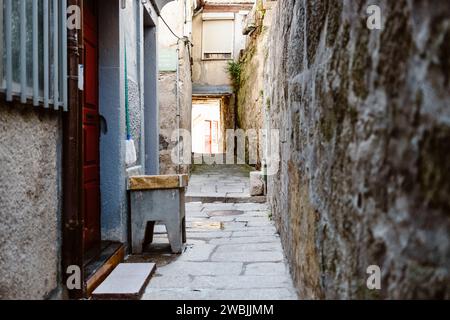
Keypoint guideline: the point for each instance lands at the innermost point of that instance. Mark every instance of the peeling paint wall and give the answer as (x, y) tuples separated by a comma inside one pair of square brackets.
[(214, 72), (30, 202), (179, 18), (365, 124)]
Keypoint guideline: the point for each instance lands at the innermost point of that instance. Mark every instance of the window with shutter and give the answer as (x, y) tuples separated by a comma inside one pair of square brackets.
[(218, 38), (33, 52)]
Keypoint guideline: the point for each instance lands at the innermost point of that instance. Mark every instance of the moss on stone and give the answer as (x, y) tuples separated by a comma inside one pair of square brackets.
[(393, 59), (334, 22), (361, 65), (316, 13), (434, 168)]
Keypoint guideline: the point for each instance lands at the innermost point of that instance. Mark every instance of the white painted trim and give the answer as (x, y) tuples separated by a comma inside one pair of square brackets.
[(218, 16)]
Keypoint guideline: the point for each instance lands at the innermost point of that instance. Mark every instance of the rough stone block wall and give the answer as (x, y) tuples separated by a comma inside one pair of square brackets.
[(30, 200), (251, 107), (364, 117)]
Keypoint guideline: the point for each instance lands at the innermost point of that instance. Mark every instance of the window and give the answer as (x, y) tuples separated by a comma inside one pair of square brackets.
[(218, 36), (33, 51)]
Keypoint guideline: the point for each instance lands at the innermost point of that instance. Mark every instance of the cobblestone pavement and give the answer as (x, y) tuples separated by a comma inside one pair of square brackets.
[(236, 257), (219, 181)]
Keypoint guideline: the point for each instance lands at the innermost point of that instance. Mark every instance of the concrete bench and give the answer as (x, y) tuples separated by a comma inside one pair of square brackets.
[(157, 199)]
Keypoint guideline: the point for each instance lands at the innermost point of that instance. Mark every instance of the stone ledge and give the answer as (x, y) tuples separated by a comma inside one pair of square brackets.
[(136, 183), (226, 199)]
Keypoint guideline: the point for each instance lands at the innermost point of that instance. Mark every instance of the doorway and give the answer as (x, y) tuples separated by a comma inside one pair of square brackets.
[(206, 124), (91, 129)]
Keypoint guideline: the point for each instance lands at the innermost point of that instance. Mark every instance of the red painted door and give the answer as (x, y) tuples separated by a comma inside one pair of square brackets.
[(91, 129)]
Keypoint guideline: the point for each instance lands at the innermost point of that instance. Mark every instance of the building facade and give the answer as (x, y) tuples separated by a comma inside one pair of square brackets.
[(175, 84), (217, 33), (73, 92)]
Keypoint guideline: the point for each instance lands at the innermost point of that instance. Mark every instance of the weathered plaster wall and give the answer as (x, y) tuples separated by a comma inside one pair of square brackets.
[(168, 111), (167, 121), (174, 14), (30, 202), (112, 107), (213, 72), (365, 125), (122, 26), (132, 26)]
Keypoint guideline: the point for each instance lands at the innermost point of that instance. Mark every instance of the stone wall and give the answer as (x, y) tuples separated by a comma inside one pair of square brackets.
[(251, 107), (364, 117), (30, 202)]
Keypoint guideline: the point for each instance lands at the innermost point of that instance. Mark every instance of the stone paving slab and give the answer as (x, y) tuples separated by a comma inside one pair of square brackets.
[(188, 268), (209, 235), (222, 282), (229, 198), (226, 258), (214, 294), (240, 282), (248, 256), (255, 232), (126, 281), (265, 269), (221, 183), (244, 240), (250, 247), (197, 252)]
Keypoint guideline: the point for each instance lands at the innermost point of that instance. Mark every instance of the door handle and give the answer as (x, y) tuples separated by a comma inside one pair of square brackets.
[(103, 124)]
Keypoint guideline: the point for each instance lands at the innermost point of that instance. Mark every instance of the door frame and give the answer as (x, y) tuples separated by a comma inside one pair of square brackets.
[(73, 202), (87, 41), (73, 244)]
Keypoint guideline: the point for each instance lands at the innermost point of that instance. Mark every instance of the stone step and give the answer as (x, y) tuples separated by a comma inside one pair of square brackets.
[(127, 282), (226, 199)]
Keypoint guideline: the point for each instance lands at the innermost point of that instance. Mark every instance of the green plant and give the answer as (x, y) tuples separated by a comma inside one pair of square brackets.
[(234, 70)]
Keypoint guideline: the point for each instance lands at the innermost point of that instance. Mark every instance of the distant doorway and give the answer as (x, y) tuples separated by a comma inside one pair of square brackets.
[(206, 124)]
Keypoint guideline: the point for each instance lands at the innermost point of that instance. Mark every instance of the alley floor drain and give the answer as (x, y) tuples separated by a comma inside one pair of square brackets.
[(221, 213)]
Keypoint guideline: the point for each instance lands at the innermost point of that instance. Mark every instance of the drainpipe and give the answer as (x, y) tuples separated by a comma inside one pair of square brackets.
[(178, 107)]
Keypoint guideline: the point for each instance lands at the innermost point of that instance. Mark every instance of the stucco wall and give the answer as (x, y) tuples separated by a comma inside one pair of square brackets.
[(112, 107), (168, 111), (131, 27), (174, 14), (167, 120), (124, 26), (365, 125), (213, 72), (30, 202)]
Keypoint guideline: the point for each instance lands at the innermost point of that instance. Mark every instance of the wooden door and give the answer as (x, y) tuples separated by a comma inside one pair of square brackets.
[(91, 129)]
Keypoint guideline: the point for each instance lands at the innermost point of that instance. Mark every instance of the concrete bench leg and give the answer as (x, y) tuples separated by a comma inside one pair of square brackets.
[(183, 229), (149, 233), (138, 237), (174, 232)]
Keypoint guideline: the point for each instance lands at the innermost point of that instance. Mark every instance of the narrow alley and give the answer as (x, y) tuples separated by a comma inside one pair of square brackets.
[(219, 182), (258, 150), (233, 251)]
